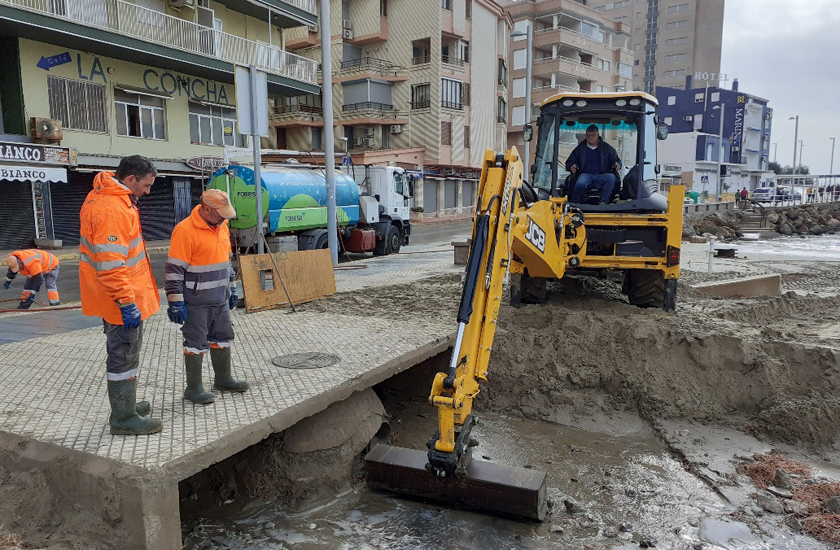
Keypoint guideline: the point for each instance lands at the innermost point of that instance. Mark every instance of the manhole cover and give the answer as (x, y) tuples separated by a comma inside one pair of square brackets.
[(311, 360)]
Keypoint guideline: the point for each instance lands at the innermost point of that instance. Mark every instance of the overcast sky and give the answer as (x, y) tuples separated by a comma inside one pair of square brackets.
[(788, 52)]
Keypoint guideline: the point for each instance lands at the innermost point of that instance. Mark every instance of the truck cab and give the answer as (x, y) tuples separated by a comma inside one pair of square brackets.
[(384, 195)]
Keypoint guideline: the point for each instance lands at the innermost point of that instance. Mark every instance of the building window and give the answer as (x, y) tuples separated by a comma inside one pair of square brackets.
[(420, 98), (468, 7), (466, 137), (625, 70), (652, 23), (214, 125), (603, 64), (677, 24), (139, 115), (698, 122), (675, 73), (446, 4), (517, 115), (502, 111), (653, 6), (445, 132), (676, 57), (318, 139), (672, 100), (699, 97), (386, 136), (466, 97), (650, 87), (650, 55), (78, 105), (676, 41), (465, 51), (519, 87), (650, 71), (451, 93), (503, 76), (677, 8), (669, 120), (715, 97)]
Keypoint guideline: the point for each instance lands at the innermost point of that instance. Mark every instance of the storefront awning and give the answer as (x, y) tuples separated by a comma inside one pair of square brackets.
[(32, 173)]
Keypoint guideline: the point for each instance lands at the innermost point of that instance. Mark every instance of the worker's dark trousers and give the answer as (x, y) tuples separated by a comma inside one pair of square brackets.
[(207, 324), (123, 347)]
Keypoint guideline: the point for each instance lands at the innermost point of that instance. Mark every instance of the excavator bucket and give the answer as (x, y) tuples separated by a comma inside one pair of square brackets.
[(487, 486)]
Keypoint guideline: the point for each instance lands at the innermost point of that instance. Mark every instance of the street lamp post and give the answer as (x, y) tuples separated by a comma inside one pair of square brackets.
[(775, 147), (795, 140), (718, 185), (831, 170), (529, 46)]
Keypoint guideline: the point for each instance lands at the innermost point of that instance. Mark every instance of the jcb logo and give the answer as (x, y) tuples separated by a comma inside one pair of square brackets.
[(535, 235)]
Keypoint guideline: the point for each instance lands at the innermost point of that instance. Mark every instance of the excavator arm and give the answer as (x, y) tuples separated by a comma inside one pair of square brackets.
[(540, 234)]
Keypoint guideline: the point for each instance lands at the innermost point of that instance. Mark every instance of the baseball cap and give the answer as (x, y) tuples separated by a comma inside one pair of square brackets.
[(218, 200), (12, 262)]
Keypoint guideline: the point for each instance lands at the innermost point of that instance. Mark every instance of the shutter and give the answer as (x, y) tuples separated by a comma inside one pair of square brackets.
[(67, 200), (157, 211), (445, 132), (18, 227), (466, 137)]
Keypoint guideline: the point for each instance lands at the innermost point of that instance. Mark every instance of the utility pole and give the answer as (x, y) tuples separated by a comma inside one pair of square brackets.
[(831, 170), (718, 186), (795, 140), (775, 148), (529, 61), (329, 138)]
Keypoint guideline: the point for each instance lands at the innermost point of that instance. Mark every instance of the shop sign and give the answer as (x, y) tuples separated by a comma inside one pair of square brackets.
[(33, 173), (206, 164), (36, 153)]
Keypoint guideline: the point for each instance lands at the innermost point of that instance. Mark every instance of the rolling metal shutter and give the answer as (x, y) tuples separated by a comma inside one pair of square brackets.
[(157, 211), (67, 199), (18, 227)]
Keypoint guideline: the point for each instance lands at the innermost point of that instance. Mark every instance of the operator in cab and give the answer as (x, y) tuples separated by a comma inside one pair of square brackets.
[(594, 162)]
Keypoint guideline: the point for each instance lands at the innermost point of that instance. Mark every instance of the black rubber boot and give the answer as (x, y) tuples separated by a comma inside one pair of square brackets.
[(124, 418), (221, 366), (143, 408), (195, 391)]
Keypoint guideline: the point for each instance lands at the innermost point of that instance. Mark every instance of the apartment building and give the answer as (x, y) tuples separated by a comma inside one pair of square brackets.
[(87, 82), (671, 39), (575, 48), (417, 83), (694, 146)]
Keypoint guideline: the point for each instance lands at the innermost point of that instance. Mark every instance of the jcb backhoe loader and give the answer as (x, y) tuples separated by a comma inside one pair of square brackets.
[(534, 232)]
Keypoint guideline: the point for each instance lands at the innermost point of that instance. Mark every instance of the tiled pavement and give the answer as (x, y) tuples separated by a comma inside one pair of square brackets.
[(53, 388)]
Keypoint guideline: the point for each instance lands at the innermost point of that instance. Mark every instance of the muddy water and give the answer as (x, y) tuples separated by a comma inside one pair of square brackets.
[(629, 488)]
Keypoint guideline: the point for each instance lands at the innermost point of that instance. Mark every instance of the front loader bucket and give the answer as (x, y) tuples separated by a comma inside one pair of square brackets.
[(505, 490)]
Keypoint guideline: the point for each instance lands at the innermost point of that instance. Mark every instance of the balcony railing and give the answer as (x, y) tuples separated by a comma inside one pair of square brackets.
[(421, 60), (302, 109), (370, 64), (457, 105), (452, 60), (127, 19), (501, 120), (366, 106), (421, 104), (306, 5)]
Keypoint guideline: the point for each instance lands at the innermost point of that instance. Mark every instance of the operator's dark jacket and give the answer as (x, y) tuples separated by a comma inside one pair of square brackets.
[(609, 157)]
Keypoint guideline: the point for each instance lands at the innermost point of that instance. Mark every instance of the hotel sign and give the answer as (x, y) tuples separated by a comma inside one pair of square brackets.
[(38, 154)]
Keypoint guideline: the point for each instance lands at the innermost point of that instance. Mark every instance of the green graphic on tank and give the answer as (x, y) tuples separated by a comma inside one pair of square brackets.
[(242, 197)]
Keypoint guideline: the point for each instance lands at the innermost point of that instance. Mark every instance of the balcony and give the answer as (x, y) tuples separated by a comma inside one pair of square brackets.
[(297, 115), (421, 104), (284, 13), (369, 65), (366, 106), (209, 50), (566, 65), (421, 60), (458, 106), (452, 60)]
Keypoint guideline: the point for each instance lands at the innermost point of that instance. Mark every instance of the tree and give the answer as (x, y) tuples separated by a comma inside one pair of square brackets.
[(787, 169), (775, 167)]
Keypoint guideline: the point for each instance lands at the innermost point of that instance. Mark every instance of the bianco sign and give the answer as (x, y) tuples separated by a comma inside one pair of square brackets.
[(29, 173), (36, 153), (206, 164)]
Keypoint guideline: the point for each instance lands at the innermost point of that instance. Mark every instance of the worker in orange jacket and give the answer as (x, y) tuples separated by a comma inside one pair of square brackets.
[(38, 267), (201, 293), (115, 276)]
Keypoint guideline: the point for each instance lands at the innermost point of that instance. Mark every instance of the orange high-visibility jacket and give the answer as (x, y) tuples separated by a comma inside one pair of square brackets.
[(198, 269), (113, 267), (35, 262)]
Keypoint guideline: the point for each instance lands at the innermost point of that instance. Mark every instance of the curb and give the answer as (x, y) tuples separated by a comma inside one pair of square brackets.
[(75, 255)]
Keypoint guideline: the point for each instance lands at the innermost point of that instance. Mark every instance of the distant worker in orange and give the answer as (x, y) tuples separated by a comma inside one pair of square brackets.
[(115, 276), (201, 293), (38, 267)]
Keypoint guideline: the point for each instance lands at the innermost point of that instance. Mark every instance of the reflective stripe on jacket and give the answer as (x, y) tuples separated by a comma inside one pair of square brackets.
[(113, 267), (198, 269), (36, 264)]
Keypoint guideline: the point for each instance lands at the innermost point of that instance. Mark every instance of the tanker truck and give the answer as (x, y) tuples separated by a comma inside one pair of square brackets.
[(294, 207)]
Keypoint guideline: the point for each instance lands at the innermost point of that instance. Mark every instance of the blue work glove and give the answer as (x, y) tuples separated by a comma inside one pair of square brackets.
[(25, 304), (177, 312), (234, 298), (131, 316), (8, 283)]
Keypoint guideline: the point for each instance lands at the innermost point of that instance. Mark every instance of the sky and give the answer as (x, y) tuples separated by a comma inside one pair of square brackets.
[(788, 52)]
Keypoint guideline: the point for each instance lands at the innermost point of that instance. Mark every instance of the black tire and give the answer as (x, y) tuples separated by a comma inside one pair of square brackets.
[(322, 242), (529, 290), (394, 238), (645, 287)]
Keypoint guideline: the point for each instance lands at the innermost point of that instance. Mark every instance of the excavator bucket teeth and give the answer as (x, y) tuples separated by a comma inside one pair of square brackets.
[(505, 490)]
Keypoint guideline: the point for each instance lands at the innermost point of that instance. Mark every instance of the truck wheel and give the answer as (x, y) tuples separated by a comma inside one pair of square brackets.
[(645, 287), (394, 238), (525, 289), (322, 242)]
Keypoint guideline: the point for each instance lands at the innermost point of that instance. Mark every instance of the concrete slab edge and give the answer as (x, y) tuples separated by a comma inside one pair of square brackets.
[(229, 445)]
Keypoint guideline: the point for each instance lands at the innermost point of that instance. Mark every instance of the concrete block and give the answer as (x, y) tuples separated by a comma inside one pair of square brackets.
[(48, 244), (762, 285), (462, 252)]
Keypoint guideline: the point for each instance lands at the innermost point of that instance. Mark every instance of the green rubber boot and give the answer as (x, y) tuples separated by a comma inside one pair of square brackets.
[(195, 391), (124, 418), (220, 357), (143, 407)]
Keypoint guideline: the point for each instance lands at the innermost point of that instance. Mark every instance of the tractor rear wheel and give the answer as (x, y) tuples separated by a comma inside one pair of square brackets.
[(645, 287)]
